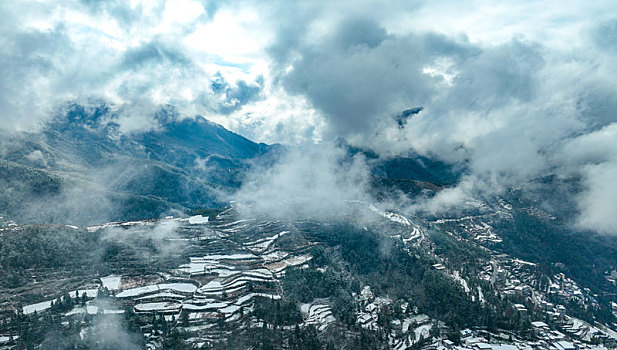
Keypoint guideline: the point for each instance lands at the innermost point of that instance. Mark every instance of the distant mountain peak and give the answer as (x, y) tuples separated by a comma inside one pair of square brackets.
[(403, 117), (182, 163)]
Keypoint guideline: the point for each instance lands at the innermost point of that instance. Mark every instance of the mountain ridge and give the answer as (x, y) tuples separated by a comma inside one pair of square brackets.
[(184, 163)]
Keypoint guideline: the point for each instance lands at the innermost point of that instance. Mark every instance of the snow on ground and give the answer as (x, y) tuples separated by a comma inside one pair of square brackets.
[(111, 282), (5, 339), (418, 319), (504, 204), (92, 310), (391, 216), (210, 306), (461, 280), (611, 333), (274, 256), (586, 331), (229, 309), (161, 307), (225, 271), (44, 305), (234, 283), (163, 295), (414, 235), (293, 261), (216, 264), (406, 324), (481, 295), (95, 228), (261, 245), (367, 320), (195, 267), (241, 281), (198, 219), (233, 223), (243, 299), (178, 287), (200, 301), (317, 314), (263, 273), (212, 287), (423, 331), (523, 262), (443, 221), (217, 257), (90, 293)]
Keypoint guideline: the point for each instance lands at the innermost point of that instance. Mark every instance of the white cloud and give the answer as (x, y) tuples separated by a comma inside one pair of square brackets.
[(593, 157), (598, 204), (312, 181), (277, 118), (120, 54), (235, 35), (506, 86)]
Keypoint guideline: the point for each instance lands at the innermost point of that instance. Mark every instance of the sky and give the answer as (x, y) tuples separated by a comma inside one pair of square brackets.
[(514, 90)]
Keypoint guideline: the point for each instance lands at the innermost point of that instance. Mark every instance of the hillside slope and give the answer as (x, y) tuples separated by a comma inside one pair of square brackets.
[(82, 160)]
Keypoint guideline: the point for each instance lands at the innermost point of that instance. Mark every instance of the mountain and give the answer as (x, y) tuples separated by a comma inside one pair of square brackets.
[(506, 271), (80, 168), (388, 281)]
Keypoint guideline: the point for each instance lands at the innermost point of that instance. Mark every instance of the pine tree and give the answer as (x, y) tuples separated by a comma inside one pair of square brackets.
[(163, 323), (67, 301), (154, 324), (185, 319)]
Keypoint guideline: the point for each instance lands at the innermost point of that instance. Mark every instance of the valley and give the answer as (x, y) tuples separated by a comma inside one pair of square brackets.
[(228, 281)]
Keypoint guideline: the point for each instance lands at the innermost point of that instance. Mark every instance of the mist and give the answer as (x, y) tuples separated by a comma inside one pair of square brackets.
[(504, 110), (505, 103), (161, 236), (108, 331), (310, 181)]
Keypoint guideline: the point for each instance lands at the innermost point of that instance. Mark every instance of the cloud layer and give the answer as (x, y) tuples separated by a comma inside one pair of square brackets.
[(510, 109), (512, 90), (136, 56)]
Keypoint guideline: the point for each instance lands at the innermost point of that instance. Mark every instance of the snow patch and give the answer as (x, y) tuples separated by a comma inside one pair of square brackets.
[(111, 282), (198, 219)]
